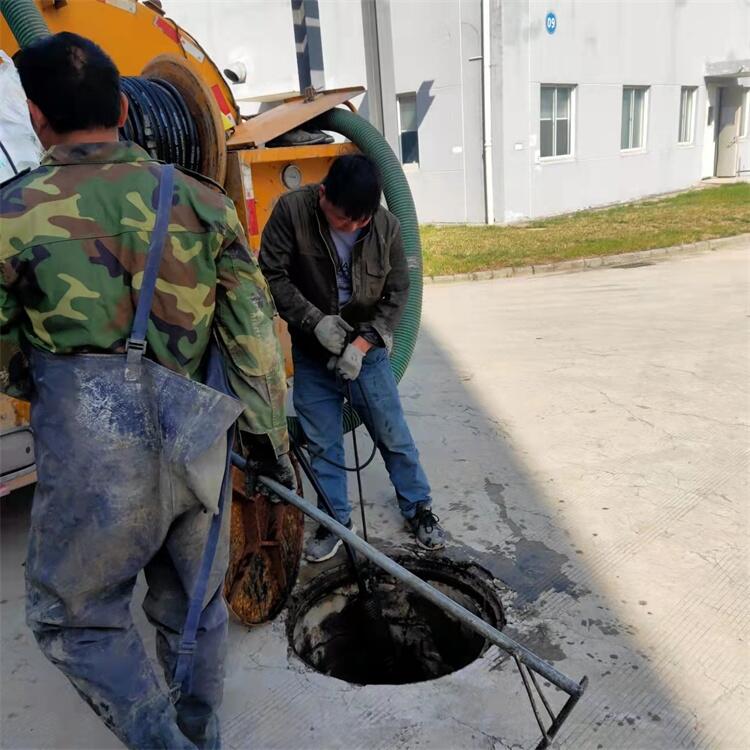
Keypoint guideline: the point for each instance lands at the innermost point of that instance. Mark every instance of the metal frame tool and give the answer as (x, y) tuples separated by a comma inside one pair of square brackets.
[(528, 663)]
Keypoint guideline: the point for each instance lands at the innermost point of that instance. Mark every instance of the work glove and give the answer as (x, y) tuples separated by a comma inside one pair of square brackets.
[(349, 364), (331, 331), (263, 461)]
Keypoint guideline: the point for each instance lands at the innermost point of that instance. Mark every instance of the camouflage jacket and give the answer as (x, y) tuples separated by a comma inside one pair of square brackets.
[(73, 240)]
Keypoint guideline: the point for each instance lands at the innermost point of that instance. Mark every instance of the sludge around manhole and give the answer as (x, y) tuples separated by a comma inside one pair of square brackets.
[(330, 630)]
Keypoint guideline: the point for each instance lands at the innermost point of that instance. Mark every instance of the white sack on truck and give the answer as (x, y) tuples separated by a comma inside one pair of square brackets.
[(19, 146)]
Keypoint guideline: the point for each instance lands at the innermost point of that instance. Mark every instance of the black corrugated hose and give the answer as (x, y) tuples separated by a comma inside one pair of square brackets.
[(159, 121)]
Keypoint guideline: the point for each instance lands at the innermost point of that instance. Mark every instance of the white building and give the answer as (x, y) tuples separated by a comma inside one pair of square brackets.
[(584, 102)]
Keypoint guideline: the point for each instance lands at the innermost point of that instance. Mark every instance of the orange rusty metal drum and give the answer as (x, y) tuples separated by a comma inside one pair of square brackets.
[(264, 554)]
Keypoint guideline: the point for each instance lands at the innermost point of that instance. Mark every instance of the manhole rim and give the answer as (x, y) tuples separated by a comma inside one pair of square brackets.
[(485, 589)]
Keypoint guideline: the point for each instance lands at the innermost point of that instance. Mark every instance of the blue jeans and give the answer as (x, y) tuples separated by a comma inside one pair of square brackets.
[(318, 401)]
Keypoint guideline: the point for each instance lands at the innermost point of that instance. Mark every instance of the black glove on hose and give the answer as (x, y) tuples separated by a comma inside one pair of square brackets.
[(262, 460), (280, 469)]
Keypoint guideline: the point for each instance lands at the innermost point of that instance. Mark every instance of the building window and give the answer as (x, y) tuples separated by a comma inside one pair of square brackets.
[(687, 114), (555, 121), (633, 131), (407, 126), (745, 116)]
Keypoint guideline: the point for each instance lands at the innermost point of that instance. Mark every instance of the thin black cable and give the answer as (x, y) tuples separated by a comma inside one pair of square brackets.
[(356, 463), (7, 156), (358, 466), (326, 502), (370, 459)]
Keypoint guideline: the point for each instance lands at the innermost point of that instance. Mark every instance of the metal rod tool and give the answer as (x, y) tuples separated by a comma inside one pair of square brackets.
[(573, 689)]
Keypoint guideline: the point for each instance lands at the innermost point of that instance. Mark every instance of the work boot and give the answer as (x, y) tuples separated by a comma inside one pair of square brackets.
[(198, 722), (426, 528), (300, 137), (324, 544)]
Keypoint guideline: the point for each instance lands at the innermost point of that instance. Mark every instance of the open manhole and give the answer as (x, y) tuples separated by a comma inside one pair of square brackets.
[(415, 640)]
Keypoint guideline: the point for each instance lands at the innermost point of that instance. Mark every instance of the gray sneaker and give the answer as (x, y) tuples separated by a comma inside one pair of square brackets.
[(426, 528), (324, 544)]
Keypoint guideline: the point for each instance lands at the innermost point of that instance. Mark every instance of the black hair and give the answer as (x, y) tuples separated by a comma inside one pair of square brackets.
[(353, 184), (73, 82)]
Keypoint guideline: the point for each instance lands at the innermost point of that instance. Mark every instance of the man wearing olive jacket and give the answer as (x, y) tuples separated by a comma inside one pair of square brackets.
[(334, 261)]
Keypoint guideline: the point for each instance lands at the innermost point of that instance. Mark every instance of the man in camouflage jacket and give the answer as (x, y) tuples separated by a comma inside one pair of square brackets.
[(73, 246)]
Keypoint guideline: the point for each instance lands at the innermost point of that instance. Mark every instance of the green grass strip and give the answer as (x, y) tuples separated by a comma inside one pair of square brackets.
[(688, 217)]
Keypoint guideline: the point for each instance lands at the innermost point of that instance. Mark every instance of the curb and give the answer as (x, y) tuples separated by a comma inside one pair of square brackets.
[(739, 241)]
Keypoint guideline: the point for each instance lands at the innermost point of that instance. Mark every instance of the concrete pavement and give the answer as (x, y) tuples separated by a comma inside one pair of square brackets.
[(586, 436)]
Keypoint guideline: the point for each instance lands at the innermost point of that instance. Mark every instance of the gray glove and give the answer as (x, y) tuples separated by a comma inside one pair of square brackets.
[(349, 363), (331, 332)]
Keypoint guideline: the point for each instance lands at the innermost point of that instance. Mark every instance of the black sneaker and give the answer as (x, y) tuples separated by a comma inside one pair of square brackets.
[(324, 544), (426, 528)]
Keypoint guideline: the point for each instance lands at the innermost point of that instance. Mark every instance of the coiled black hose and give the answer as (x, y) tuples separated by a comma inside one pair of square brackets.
[(160, 122)]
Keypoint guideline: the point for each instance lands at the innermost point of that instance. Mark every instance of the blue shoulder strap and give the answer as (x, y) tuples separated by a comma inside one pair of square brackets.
[(135, 346), (183, 672), (216, 378)]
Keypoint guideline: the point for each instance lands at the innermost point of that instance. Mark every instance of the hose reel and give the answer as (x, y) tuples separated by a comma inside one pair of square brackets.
[(173, 115), (160, 122)]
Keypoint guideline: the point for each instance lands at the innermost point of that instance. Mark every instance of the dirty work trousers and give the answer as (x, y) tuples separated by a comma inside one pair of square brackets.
[(107, 507), (319, 402)]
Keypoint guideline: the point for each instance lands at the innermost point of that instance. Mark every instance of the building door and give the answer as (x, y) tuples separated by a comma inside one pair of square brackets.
[(730, 103)]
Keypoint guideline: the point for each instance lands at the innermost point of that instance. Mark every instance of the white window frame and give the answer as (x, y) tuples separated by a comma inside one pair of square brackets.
[(692, 98), (745, 115), (644, 125), (571, 88), (412, 165)]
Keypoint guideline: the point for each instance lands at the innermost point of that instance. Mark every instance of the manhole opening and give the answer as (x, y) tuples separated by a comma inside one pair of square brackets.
[(331, 631)]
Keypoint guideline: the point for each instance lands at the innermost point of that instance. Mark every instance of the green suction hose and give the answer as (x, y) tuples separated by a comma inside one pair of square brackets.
[(24, 20), (400, 203)]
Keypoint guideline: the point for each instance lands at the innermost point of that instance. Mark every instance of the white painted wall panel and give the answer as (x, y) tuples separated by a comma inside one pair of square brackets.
[(432, 44), (600, 47), (259, 32)]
